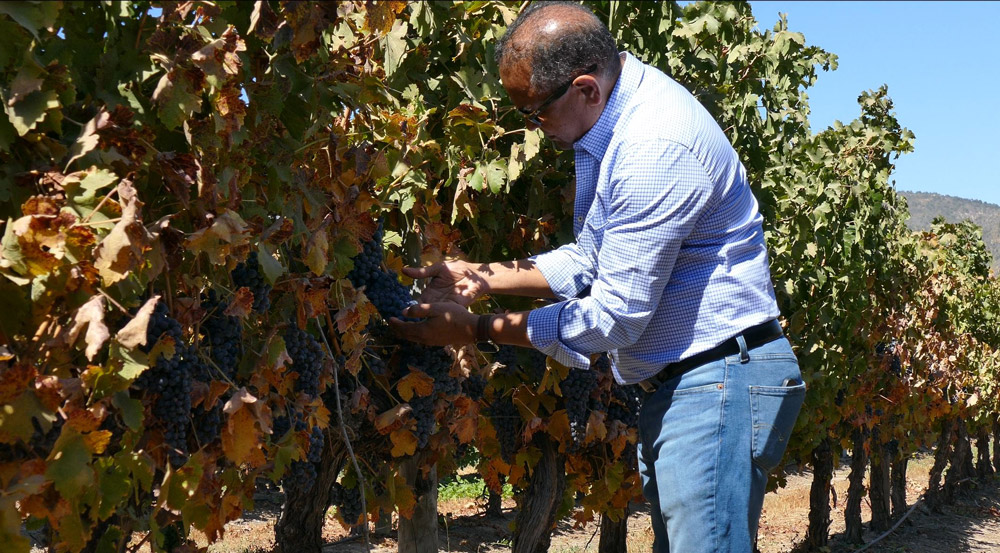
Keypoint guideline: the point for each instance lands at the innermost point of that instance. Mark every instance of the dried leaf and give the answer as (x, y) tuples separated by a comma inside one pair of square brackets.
[(393, 419), (122, 250), (91, 316), (133, 334)]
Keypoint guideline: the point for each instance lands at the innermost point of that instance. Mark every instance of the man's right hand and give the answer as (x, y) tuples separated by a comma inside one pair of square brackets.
[(455, 281)]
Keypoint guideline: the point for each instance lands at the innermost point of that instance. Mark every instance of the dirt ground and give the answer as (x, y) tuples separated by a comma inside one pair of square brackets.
[(971, 524)]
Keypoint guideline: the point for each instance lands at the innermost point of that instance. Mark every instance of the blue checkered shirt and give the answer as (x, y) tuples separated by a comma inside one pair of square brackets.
[(668, 237)]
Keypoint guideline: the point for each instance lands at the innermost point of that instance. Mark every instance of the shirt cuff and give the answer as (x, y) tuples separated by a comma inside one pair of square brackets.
[(543, 333), (558, 268)]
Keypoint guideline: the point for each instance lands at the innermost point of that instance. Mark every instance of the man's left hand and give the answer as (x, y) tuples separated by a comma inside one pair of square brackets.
[(443, 324)]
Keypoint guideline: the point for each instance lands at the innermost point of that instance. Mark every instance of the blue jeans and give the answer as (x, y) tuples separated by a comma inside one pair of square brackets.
[(708, 439)]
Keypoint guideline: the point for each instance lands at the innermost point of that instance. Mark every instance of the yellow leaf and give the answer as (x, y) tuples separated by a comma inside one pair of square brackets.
[(403, 442), (416, 382), (241, 438)]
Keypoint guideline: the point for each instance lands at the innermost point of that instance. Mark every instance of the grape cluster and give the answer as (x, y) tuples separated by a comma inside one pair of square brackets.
[(624, 405), (223, 335), (423, 413), (474, 386), (576, 388), (170, 379), (348, 502), (307, 359), (436, 363), (507, 421), (249, 274), (529, 361), (382, 287), (301, 476), (207, 423)]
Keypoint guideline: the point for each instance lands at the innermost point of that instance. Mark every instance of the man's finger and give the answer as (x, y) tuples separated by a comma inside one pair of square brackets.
[(419, 310), (419, 272)]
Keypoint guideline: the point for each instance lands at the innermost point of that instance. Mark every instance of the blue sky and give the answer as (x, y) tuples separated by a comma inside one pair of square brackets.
[(941, 63)]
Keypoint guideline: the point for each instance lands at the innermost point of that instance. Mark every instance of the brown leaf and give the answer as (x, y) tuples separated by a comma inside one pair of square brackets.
[(393, 419), (14, 381), (239, 399), (133, 334), (263, 20), (241, 304), (91, 316), (122, 250), (89, 138), (227, 231), (381, 14)]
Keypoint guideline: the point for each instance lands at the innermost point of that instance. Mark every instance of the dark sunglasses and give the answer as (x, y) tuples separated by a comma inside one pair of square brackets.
[(532, 115)]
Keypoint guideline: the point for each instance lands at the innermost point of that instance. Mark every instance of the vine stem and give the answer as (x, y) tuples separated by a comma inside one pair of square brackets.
[(347, 440), (893, 529)]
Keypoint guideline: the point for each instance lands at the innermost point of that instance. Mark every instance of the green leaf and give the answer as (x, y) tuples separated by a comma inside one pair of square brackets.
[(33, 16), (177, 99), (131, 410), (30, 111), (114, 485), (394, 45), (273, 269), (69, 468), (496, 175)]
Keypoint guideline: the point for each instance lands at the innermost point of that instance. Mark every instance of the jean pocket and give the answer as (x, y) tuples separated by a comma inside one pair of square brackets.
[(773, 410)]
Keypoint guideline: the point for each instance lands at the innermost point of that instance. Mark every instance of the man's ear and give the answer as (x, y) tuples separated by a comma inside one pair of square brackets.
[(591, 89)]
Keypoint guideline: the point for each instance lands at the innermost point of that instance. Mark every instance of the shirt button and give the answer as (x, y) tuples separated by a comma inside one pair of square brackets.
[(579, 218)]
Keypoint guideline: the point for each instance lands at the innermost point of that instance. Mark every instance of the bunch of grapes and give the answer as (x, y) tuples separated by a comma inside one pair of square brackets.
[(436, 363), (223, 334), (474, 386), (207, 423), (249, 274), (307, 359), (624, 405), (382, 287), (423, 413), (507, 422), (301, 476), (348, 502), (576, 388), (170, 379)]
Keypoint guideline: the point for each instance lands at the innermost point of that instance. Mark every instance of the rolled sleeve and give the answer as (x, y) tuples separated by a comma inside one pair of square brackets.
[(567, 270), (543, 333)]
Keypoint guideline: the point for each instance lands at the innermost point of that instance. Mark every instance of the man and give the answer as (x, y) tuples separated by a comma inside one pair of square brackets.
[(670, 244)]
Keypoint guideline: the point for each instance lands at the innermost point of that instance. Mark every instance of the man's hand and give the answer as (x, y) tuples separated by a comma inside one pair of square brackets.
[(444, 324), (454, 281)]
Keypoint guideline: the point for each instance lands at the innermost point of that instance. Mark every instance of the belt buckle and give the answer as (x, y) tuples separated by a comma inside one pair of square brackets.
[(648, 385)]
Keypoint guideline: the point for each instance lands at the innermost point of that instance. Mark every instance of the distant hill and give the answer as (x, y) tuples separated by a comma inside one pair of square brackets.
[(924, 206)]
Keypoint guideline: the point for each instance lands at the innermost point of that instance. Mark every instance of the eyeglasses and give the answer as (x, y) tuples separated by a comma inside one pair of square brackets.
[(532, 115)]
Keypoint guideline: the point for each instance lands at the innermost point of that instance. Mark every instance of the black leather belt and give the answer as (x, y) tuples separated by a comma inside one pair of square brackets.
[(754, 336)]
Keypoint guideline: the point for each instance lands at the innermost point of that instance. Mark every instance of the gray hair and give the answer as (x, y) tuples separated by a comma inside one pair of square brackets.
[(559, 59)]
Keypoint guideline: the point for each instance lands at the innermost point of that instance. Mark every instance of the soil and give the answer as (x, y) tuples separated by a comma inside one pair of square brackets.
[(970, 524)]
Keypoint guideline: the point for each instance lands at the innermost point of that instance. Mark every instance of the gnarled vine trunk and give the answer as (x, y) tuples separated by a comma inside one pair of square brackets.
[(984, 468), (419, 534), (818, 533), (299, 528), (942, 451), (540, 501), (878, 487), (856, 487), (898, 477), (613, 534)]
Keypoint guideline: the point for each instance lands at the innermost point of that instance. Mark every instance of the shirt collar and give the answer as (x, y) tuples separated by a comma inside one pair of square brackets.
[(596, 140)]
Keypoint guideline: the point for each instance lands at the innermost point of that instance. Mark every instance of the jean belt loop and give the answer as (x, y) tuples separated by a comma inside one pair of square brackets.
[(744, 354)]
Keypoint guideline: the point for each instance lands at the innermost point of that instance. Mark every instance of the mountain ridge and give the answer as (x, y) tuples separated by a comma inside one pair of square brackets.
[(925, 206)]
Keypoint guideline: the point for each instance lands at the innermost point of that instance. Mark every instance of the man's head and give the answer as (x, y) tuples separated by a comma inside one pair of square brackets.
[(558, 63)]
